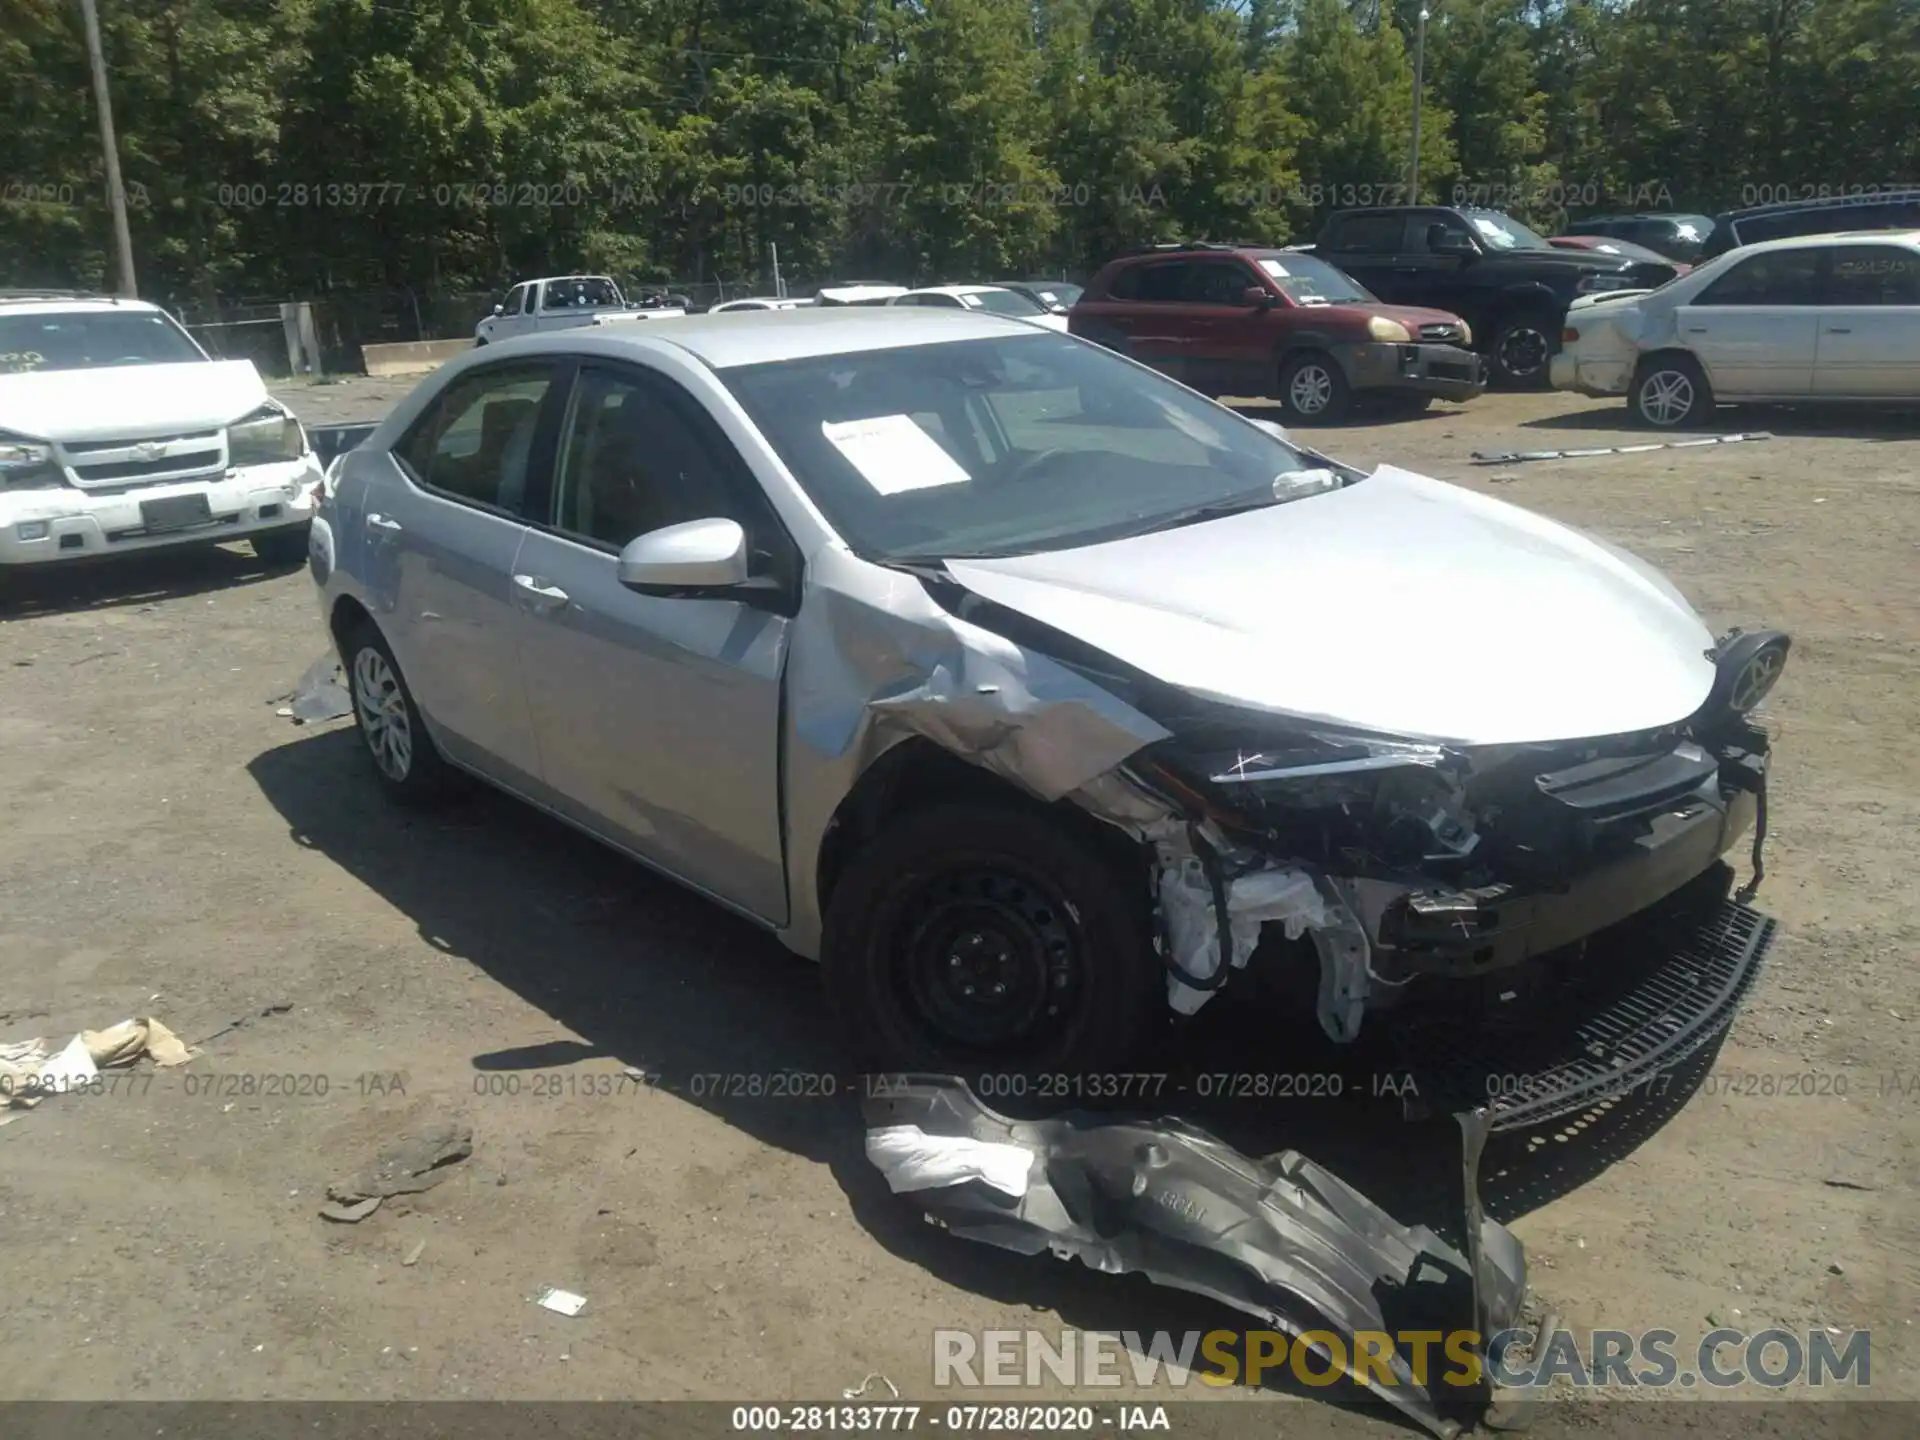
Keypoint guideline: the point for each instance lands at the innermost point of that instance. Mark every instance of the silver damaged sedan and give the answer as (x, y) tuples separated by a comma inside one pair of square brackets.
[(1030, 691)]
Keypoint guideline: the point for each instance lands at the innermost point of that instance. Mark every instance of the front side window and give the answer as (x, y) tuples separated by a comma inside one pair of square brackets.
[(89, 339), (530, 300), (632, 461), (1005, 446), (475, 443), (1779, 277)]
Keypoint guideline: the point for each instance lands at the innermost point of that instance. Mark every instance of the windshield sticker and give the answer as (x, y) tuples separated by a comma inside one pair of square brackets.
[(972, 302), (1274, 268), (893, 454), (1492, 231)]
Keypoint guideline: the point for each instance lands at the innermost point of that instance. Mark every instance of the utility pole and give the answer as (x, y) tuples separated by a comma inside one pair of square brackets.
[(116, 192), (1419, 89)]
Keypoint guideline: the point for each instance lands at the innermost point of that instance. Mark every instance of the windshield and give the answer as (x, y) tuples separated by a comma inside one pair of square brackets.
[(1503, 232), (83, 339), (1006, 446), (1002, 302), (1309, 281)]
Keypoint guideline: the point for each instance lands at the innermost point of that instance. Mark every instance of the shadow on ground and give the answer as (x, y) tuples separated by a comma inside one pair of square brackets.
[(139, 578), (655, 977)]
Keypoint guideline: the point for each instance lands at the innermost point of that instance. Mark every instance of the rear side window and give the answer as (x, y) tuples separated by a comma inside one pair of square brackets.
[(1366, 234), (1780, 277), (1874, 275), (475, 443)]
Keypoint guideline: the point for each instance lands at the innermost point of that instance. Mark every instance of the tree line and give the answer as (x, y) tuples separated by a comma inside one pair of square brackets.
[(297, 147)]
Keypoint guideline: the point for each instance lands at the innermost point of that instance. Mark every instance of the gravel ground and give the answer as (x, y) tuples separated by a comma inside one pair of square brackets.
[(176, 848)]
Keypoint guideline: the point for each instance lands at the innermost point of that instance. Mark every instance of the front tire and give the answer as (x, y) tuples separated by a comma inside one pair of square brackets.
[(970, 938), (1669, 391), (280, 548), (1521, 350), (1313, 389), (405, 760)]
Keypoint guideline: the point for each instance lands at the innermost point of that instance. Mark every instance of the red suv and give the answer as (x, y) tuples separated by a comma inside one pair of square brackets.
[(1240, 320)]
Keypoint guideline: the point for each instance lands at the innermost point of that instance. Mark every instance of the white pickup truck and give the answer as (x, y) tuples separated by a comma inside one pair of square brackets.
[(119, 433), (559, 302)]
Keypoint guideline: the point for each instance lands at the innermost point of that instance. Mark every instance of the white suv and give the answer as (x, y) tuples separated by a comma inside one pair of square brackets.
[(118, 432)]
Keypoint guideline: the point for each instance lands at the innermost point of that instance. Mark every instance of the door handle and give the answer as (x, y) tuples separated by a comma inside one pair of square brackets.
[(540, 597), (382, 523), (1839, 330), (1696, 329)]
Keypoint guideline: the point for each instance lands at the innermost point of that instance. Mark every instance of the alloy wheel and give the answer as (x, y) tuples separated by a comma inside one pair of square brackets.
[(1666, 396), (1311, 390), (385, 719)]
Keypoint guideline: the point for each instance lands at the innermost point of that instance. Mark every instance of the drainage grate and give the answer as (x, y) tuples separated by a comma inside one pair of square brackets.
[(1658, 1019)]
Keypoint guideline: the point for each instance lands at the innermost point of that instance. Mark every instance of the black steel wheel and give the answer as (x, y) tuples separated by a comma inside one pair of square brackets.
[(970, 937)]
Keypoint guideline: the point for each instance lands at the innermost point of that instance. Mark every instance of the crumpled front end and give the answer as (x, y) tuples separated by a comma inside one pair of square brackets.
[(1405, 860)]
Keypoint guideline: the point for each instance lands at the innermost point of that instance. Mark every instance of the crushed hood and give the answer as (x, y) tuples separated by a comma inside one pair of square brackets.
[(1399, 604), (125, 401)]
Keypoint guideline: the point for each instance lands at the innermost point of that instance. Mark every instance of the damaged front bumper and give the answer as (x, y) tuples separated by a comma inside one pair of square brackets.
[(1281, 1239), (1406, 862)]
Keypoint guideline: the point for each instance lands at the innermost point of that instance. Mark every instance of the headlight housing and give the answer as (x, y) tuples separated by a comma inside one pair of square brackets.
[(265, 437), (27, 464), (1749, 666), (1599, 282), (1390, 331), (1466, 333)]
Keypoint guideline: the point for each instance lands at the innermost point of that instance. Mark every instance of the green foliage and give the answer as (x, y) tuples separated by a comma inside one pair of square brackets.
[(296, 147)]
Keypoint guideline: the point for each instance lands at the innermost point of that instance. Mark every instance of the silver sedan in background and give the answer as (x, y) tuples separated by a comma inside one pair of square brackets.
[(1028, 690)]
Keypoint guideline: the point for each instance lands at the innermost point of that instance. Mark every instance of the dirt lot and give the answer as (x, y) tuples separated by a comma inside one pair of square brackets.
[(176, 848)]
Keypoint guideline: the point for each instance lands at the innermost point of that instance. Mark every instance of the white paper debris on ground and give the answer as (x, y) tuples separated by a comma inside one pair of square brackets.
[(31, 1070), (561, 1302), (857, 1392), (892, 453)]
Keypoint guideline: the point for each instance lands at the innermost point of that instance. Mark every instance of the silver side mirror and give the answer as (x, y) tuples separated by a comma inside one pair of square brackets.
[(499, 309), (686, 559)]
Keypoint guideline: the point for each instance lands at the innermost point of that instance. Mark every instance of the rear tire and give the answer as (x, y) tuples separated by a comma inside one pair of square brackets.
[(1669, 391), (1313, 389), (406, 762), (975, 938)]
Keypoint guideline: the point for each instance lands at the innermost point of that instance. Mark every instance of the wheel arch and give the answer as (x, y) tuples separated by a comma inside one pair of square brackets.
[(917, 773)]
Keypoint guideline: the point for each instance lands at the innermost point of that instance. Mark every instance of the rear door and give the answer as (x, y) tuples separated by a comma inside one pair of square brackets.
[(658, 720), (444, 526), (1869, 338), (1755, 329), (1155, 319)]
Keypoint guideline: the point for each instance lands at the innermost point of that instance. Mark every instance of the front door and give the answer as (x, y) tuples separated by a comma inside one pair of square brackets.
[(658, 720), (445, 526), (1869, 342), (1755, 329), (1230, 344)]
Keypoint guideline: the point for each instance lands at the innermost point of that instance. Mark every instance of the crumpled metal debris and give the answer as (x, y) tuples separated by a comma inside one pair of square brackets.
[(1280, 1238), (413, 1165), (321, 693)]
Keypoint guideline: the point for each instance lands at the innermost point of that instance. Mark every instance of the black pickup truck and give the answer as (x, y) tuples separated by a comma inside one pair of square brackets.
[(1509, 285)]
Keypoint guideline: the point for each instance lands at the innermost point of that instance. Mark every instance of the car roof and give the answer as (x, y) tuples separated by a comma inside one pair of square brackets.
[(736, 338), (1865, 200), (53, 302), (953, 289), (1802, 242)]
